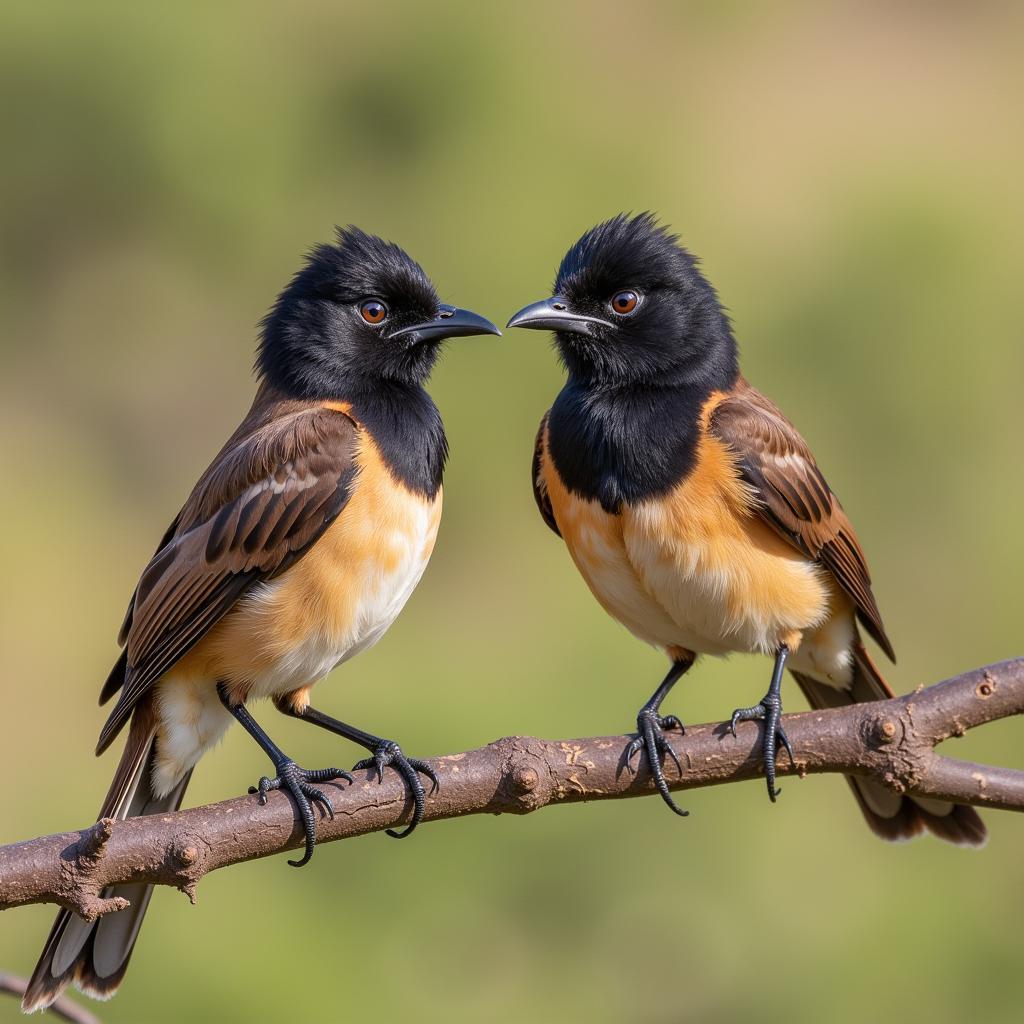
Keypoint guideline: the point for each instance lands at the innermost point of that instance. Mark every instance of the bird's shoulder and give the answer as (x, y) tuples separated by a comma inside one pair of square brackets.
[(282, 446), (540, 469), (774, 459), (771, 454), (790, 492), (284, 474)]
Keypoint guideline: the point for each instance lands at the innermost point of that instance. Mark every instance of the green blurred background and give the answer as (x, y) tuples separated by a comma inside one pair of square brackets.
[(850, 175)]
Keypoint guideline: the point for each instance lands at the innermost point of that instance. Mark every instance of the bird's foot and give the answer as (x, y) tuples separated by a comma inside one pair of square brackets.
[(769, 710), (388, 752), (651, 740), (297, 781)]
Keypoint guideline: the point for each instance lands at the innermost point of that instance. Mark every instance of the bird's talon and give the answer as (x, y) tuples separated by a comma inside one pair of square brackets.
[(425, 769), (296, 781), (675, 759), (769, 710), (651, 740), (634, 748), (780, 734), (389, 753)]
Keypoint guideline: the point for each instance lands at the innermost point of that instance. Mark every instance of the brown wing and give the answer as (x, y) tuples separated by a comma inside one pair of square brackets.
[(255, 512), (794, 498), (117, 674), (540, 488)]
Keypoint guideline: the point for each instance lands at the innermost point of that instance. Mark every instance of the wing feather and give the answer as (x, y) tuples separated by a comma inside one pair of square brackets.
[(265, 500), (793, 496)]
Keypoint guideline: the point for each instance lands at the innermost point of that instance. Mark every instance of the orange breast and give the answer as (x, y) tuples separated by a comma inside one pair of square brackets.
[(595, 542), (696, 568), (337, 600)]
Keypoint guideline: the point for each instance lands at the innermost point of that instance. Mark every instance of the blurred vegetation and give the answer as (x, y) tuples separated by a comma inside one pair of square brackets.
[(850, 175)]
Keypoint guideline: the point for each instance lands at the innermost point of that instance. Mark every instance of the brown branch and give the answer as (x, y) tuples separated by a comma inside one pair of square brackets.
[(62, 1007), (892, 741)]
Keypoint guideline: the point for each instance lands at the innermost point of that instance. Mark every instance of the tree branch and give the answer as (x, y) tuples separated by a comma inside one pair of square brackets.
[(892, 741)]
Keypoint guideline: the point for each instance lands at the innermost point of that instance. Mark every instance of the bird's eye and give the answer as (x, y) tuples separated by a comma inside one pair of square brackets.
[(373, 311), (624, 303)]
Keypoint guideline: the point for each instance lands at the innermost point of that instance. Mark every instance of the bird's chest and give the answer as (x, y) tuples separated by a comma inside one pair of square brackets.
[(692, 568), (596, 542), (622, 446), (344, 594)]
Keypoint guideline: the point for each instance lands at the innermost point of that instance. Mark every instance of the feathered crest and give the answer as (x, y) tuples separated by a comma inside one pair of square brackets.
[(626, 251), (358, 266)]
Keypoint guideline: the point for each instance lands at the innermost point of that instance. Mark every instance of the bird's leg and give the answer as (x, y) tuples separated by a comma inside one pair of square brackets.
[(770, 710), (384, 752), (651, 726), (289, 775)]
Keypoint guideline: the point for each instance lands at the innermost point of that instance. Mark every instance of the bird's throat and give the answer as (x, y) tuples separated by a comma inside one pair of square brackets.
[(626, 444), (407, 428)]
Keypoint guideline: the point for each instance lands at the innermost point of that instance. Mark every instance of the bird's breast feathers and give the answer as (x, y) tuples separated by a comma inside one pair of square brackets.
[(339, 599), (694, 568)]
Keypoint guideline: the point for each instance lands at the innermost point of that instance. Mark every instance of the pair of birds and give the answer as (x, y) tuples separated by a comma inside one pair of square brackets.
[(691, 506)]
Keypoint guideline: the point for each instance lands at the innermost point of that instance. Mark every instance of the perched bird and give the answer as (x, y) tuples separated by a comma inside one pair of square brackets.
[(694, 510), (295, 551)]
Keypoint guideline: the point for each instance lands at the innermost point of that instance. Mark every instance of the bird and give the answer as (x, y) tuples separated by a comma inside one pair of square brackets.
[(695, 511), (295, 551)]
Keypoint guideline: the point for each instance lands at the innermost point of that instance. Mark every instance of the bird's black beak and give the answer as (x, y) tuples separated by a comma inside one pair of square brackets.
[(553, 315), (450, 322)]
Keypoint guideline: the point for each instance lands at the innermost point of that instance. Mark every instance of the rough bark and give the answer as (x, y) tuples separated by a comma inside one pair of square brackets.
[(893, 741)]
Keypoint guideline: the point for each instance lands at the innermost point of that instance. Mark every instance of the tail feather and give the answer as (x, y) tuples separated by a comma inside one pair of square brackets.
[(890, 815), (94, 955)]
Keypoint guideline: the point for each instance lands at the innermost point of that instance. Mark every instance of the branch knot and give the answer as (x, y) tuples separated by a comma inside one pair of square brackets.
[(525, 780)]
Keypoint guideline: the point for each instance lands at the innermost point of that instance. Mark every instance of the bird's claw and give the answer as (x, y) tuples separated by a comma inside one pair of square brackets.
[(297, 781), (768, 710), (390, 753), (651, 740)]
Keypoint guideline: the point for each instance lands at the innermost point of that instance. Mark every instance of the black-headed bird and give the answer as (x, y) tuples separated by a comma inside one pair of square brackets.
[(694, 510), (295, 551)]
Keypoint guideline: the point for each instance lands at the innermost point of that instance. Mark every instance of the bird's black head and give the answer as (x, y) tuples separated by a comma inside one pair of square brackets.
[(360, 312), (631, 308)]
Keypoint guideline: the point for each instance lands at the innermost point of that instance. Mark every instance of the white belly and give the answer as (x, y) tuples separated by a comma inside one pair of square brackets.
[(385, 582), (737, 588)]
